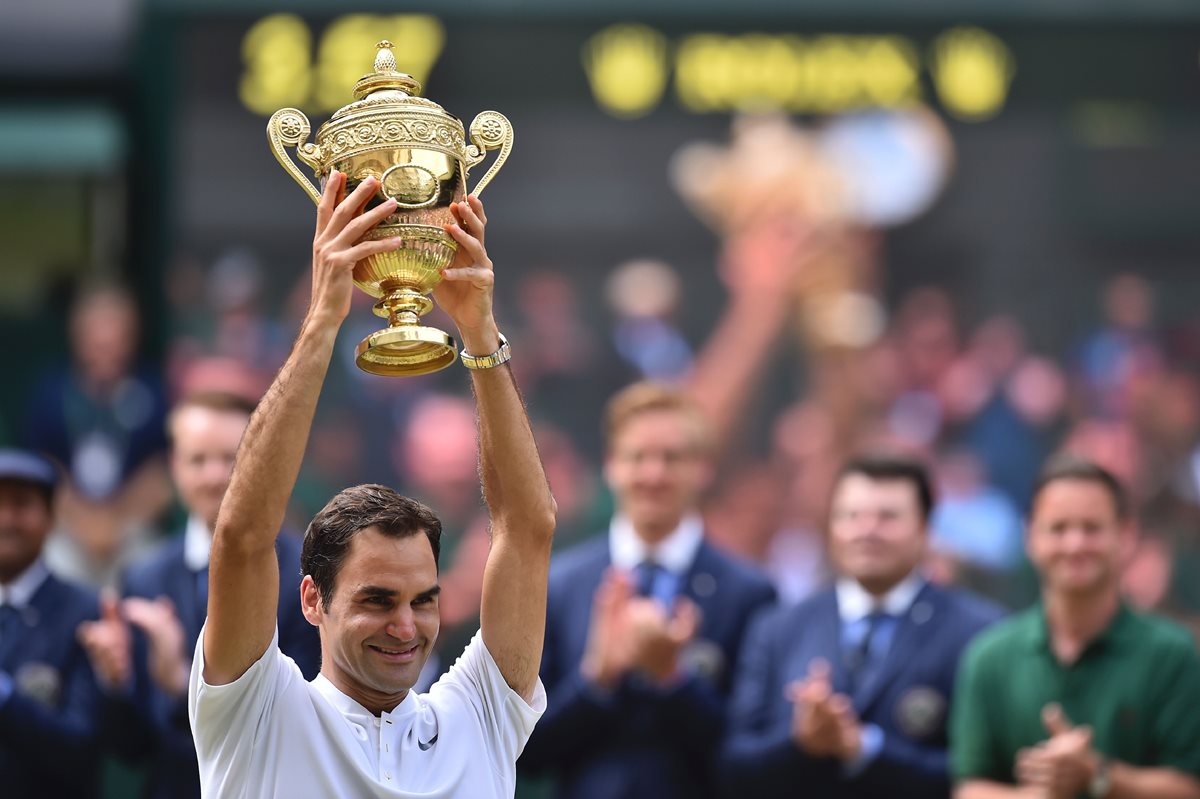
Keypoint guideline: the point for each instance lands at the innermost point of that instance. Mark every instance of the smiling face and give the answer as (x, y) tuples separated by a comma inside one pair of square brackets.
[(25, 521), (1077, 537), (656, 469), (204, 446), (382, 618), (876, 530)]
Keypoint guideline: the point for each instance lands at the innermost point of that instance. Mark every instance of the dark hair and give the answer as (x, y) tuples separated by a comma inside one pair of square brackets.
[(893, 467), (351, 511), (1068, 466)]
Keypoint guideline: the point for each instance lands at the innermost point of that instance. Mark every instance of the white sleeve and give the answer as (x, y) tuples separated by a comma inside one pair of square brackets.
[(507, 720), (226, 719)]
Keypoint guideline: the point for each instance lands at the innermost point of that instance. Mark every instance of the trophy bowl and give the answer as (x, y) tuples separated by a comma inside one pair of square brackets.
[(420, 156)]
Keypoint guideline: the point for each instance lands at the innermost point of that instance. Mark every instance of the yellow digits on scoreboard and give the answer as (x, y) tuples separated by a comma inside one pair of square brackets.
[(278, 54)]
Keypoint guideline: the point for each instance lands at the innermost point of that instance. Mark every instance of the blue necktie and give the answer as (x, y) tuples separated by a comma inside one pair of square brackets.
[(655, 582), (864, 655)]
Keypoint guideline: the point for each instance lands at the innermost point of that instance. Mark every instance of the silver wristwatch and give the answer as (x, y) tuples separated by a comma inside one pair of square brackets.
[(498, 357)]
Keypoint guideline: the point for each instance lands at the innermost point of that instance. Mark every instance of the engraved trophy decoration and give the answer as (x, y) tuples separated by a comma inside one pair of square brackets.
[(420, 156)]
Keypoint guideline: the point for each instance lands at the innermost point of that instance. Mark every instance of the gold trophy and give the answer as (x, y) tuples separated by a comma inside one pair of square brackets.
[(420, 156)]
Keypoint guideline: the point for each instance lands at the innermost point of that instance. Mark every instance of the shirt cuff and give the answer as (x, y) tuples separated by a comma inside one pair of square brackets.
[(870, 745), (6, 687)]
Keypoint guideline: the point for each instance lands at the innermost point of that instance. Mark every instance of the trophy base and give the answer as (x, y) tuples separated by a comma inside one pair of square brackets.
[(405, 351)]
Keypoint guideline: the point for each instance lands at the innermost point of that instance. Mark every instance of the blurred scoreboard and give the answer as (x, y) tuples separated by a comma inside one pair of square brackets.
[(1065, 134)]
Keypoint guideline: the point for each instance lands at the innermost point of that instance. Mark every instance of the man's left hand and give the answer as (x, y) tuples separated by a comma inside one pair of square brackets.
[(1064, 765), (658, 638), (465, 292)]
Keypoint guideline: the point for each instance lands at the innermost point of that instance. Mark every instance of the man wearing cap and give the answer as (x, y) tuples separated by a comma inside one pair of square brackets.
[(48, 695)]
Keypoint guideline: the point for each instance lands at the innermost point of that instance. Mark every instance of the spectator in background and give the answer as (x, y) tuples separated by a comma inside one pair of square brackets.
[(846, 694), (977, 529), (48, 695), (644, 624), (1111, 357), (563, 370), (1079, 696), (102, 416), (166, 601), (644, 296), (1006, 403)]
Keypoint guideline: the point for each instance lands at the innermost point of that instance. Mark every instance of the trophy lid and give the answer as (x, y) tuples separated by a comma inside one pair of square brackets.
[(386, 76), (386, 86)]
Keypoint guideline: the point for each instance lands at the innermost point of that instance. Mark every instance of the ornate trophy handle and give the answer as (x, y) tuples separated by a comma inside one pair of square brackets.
[(288, 127), (490, 130)]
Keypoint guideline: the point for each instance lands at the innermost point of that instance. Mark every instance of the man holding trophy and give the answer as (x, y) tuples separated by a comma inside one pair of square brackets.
[(370, 566)]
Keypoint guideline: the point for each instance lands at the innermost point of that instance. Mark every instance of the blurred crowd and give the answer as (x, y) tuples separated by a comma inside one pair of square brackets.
[(807, 365)]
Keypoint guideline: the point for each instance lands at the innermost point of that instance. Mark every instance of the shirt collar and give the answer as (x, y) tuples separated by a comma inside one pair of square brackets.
[(1109, 636), (197, 544), (356, 712), (20, 591), (855, 602), (674, 553)]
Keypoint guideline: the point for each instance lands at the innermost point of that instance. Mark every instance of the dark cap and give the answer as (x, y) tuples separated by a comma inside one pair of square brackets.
[(29, 467)]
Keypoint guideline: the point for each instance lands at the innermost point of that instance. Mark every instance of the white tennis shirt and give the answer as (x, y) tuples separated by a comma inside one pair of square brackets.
[(271, 734)]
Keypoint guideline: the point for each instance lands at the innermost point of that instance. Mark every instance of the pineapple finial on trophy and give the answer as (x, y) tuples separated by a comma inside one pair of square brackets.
[(385, 60)]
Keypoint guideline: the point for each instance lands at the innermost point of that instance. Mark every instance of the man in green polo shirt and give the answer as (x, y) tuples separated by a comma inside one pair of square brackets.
[(1078, 696)]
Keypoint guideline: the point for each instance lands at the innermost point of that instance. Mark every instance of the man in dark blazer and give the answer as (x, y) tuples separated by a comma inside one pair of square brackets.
[(48, 694), (166, 598), (846, 695), (645, 623)]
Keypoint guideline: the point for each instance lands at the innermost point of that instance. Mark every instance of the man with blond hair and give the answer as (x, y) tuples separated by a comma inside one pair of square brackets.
[(645, 623)]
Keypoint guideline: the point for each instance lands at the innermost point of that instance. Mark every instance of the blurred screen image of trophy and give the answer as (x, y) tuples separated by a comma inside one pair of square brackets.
[(420, 155), (833, 187), (850, 176)]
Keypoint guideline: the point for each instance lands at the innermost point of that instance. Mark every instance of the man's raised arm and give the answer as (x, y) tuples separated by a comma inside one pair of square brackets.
[(243, 578), (522, 510)]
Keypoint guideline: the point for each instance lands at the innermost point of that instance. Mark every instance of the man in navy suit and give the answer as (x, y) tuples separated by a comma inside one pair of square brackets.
[(846, 694), (166, 598), (48, 694), (643, 624)]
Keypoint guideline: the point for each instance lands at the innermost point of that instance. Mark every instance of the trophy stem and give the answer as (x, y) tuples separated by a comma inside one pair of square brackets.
[(403, 307), (405, 347)]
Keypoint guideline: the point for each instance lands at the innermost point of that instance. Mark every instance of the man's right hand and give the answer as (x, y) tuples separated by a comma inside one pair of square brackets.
[(169, 658), (339, 244), (109, 645), (823, 722), (608, 656)]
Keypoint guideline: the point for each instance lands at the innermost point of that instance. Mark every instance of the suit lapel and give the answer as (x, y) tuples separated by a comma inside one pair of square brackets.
[(910, 636), (701, 582), (23, 622), (574, 614), (827, 640), (190, 612)]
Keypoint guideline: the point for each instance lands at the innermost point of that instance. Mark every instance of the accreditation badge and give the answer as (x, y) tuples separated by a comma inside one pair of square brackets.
[(921, 711), (40, 682), (703, 658)]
